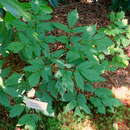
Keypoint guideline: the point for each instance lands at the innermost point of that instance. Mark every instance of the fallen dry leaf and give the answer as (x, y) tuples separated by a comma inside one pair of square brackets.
[(123, 94)]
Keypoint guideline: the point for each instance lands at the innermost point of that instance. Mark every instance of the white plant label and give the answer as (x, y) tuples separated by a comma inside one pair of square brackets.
[(35, 104)]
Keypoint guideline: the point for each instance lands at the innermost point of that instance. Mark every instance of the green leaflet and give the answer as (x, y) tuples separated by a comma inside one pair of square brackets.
[(4, 99), (16, 110), (45, 97), (29, 120), (46, 50), (87, 65), (54, 3), (11, 91), (51, 89), (15, 9), (50, 39), (34, 79), (70, 106), (67, 81), (69, 96), (77, 112), (90, 31), (89, 88), (85, 108), (5, 33), (1, 63), (37, 50), (45, 27), (62, 39), (33, 68), (122, 40), (46, 73), (44, 17), (79, 104), (91, 71), (37, 61), (120, 60), (1, 83), (79, 80), (60, 87), (46, 9), (72, 56), (27, 53), (103, 44), (75, 39), (58, 54), (81, 101), (61, 64), (14, 79), (72, 18), (15, 46), (120, 15), (23, 38), (111, 102), (103, 92), (80, 29), (91, 75), (98, 104), (61, 26)]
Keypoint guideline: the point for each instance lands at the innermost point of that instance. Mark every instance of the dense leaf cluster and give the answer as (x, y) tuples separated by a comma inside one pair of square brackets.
[(58, 75), (118, 5), (119, 31)]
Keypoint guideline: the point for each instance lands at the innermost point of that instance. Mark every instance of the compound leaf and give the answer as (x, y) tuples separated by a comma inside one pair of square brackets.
[(79, 80), (61, 26), (34, 79), (70, 106), (4, 99), (67, 81), (15, 47), (16, 110), (98, 104), (103, 92), (72, 18), (11, 91), (29, 120), (13, 79), (81, 100)]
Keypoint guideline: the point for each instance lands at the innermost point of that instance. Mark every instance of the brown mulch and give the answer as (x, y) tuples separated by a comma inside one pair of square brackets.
[(89, 14), (5, 121)]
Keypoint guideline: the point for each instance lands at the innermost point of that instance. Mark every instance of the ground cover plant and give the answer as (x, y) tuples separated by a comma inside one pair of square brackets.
[(118, 30), (118, 5), (51, 75)]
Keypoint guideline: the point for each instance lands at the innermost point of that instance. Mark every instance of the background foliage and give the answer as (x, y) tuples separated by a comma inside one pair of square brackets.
[(118, 5)]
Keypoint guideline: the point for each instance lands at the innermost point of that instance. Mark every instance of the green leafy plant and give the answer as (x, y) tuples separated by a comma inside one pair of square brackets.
[(118, 5), (15, 9), (119, 31), (54, 3), (113, 121), (56, 75)]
